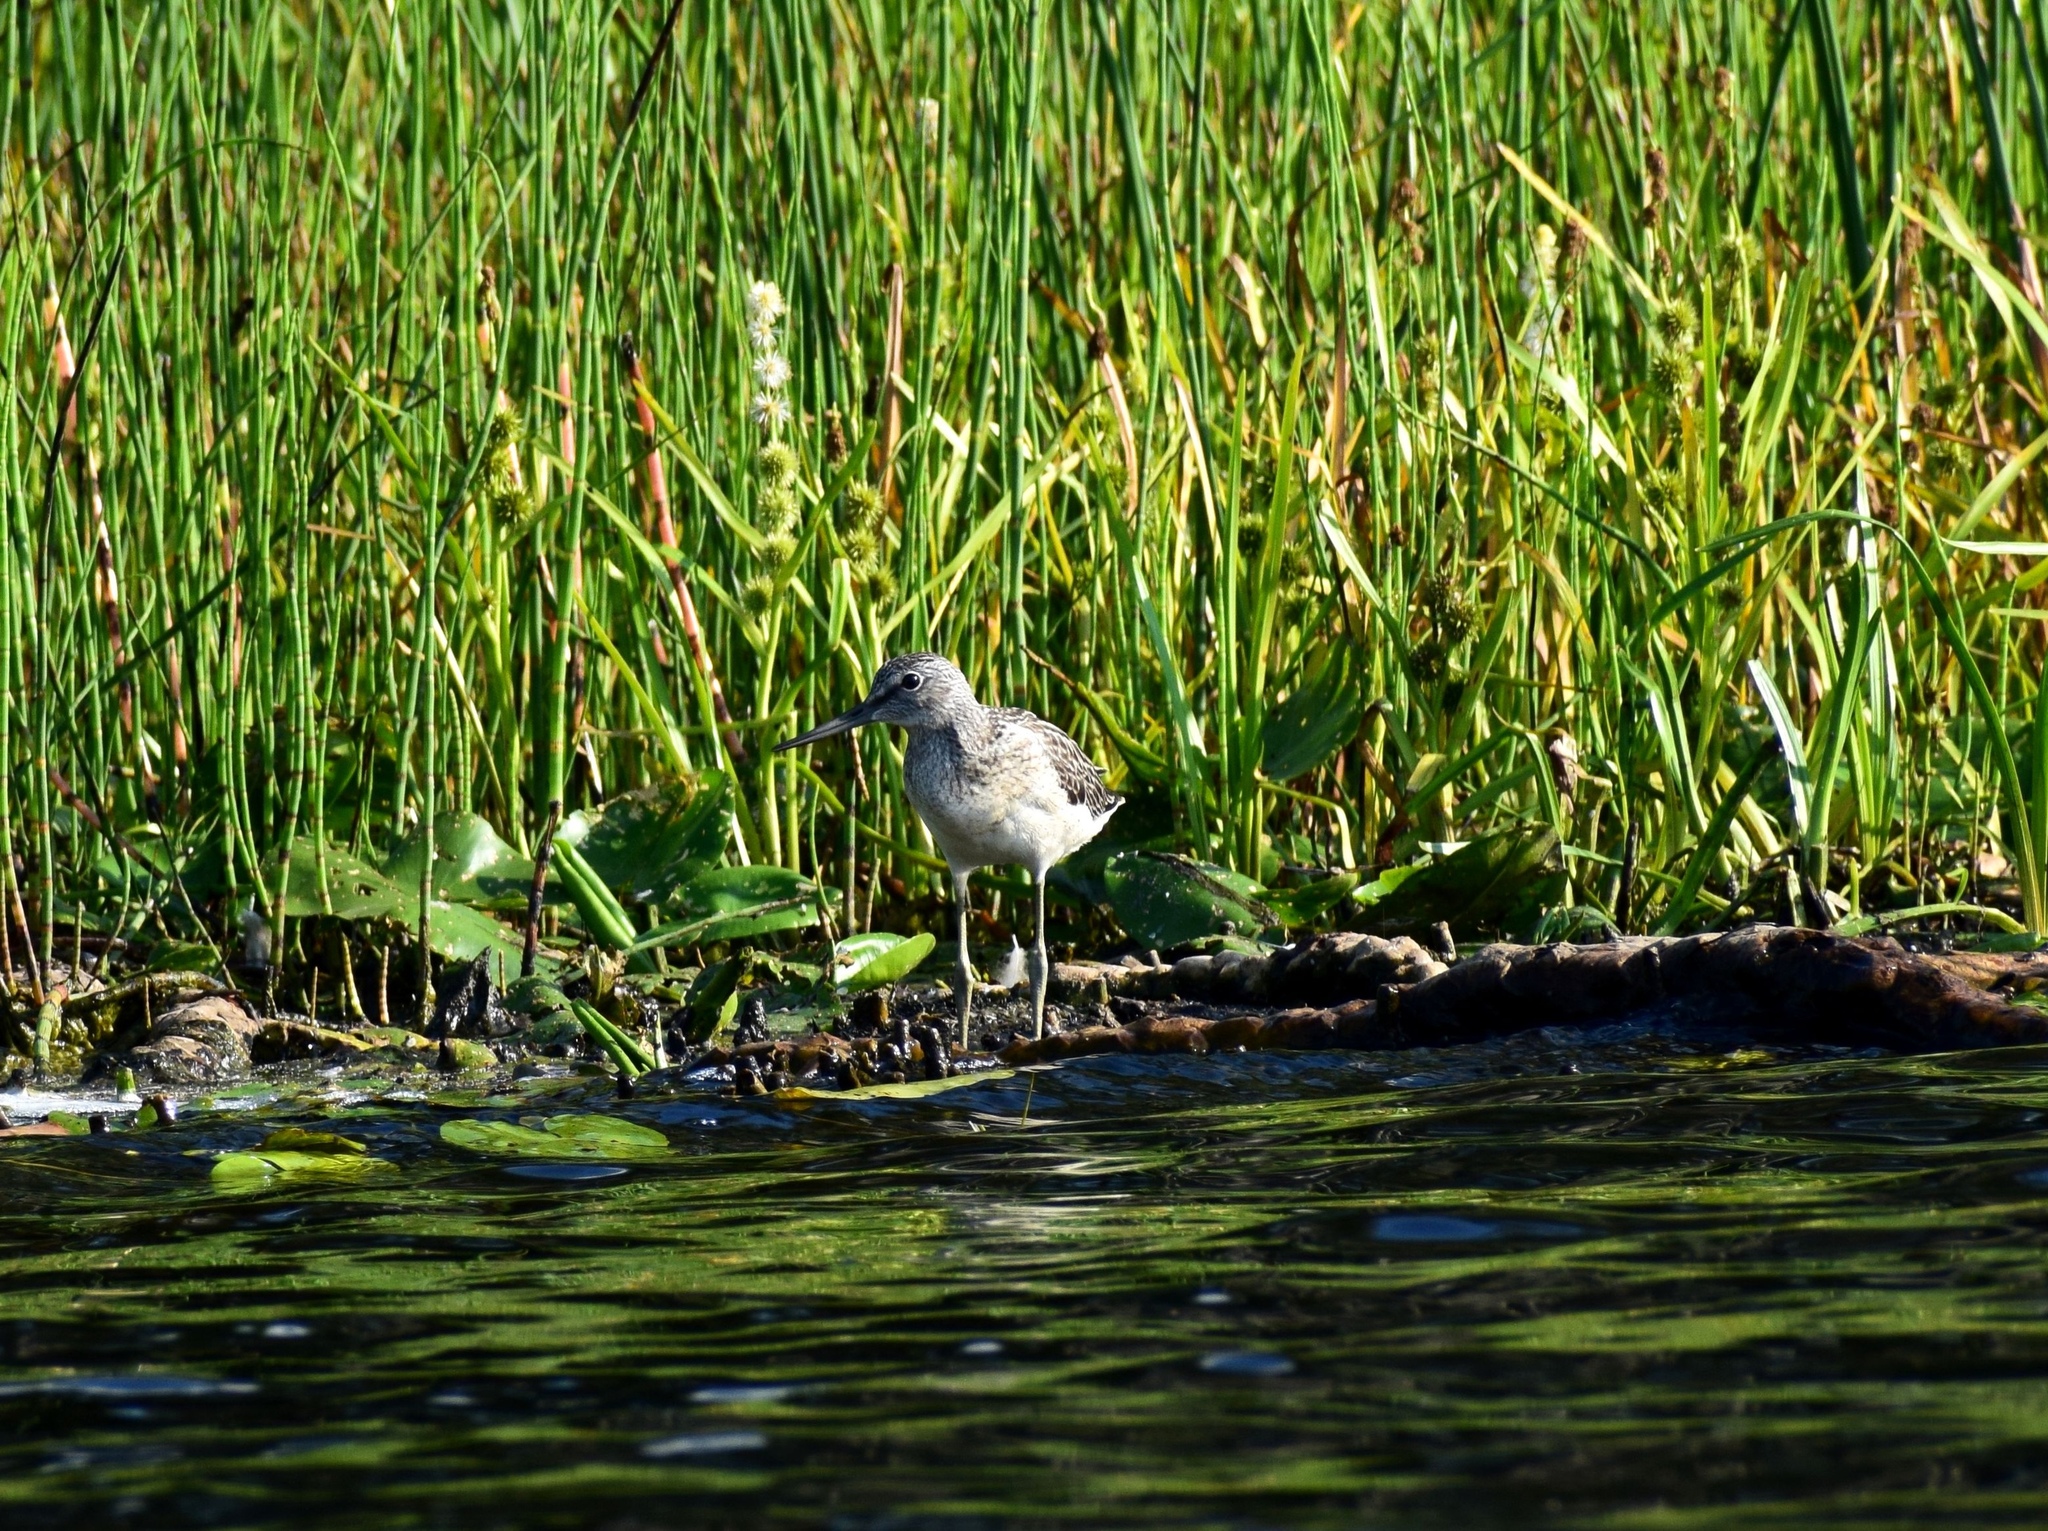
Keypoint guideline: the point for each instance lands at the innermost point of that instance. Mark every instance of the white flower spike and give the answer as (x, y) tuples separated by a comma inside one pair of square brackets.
[(771, 411), (764, 303)]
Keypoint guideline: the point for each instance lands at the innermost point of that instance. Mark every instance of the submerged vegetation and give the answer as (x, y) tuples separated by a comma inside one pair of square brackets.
[(1605, 436)]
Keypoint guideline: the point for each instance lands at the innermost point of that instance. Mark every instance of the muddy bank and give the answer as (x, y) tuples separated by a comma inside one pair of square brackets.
[(1774, 982), (184, 1031)]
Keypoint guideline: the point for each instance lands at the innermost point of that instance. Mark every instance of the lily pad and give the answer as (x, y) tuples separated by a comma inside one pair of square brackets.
[(1476, 886), (645, 845), (304, 1140), (472, 865), (559, 1137), (463, 934), (1167, 901), (729, 903), (253, 1171), (913, 1089), (1297, 907), (355, 890), (879, 957)]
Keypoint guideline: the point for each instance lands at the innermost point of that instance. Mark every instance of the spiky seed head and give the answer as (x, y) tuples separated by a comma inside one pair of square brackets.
[(779, 549), (1662, 490), (863, 505), (757, 595), (1251, 537), (776, 462), (1735, 254), (1743, 364), (1724, 93), (881, 582), (776, 507), (1427, 662), (861, 544), (1670, 375), (1674, 322), (1571, 247), (1453, 619)]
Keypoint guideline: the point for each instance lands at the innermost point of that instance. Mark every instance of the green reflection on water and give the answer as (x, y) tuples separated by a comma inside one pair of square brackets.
[(1681, 1287)]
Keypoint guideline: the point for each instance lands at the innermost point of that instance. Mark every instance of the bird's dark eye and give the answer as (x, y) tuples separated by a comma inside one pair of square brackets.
[(912, 681)]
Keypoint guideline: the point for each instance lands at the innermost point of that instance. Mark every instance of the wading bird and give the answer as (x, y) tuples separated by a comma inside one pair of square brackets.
[(996, 786)]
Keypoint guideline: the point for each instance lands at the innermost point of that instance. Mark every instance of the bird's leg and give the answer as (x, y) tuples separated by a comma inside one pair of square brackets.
[(1041, 967), (963, 975)]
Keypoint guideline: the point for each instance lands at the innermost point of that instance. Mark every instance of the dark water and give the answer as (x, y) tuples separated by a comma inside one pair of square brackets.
[(1620, 1282)]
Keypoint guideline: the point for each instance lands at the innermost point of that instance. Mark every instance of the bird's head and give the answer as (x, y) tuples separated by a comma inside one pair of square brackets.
[(911, 691)]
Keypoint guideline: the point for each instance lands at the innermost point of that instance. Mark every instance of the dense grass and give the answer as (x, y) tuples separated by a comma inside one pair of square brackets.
[(1336, 414)]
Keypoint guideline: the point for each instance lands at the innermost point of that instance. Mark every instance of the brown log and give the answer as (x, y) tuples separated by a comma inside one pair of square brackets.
[(1768, 981)]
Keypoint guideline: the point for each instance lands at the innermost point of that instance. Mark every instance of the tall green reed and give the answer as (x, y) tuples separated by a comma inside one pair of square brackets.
[(1457, 379)]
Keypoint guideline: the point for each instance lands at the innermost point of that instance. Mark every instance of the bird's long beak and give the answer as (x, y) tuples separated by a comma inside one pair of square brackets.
[(845, 723)]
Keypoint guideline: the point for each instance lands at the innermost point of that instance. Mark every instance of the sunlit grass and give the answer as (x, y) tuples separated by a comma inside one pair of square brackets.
[(1472, 378)]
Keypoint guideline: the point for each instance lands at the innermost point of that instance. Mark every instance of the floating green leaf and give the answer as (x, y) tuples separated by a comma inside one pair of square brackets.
[(871, 960), (1167, 901), (644, 845), (730, 903), (304, 1140), (472, 865), (1302, 906), (253, 1171), (1477, 885), (355, 890), (559, 1137)]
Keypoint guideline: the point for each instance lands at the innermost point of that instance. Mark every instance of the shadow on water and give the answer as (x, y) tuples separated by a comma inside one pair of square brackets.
[(1626, 1280)]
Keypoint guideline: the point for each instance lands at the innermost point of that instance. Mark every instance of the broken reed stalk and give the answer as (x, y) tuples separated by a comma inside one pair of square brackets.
[(530, 947)]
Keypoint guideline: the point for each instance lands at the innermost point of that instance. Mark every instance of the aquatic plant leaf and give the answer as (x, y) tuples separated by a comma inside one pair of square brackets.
[(1477, 885), (534, 996), (728, 903), (913, 1089), (462, 934), (304, 1140), (1386, 882), (879, 957), (180, 957), (1314, 722), (253, 1171), (356, 890), (559, 1137), (1166, 901), (1297, 907), (714, 997), (644, 845), (472, 865)]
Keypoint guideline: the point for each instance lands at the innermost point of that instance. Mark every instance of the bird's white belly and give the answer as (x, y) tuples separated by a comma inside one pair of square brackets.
[(991, 829)]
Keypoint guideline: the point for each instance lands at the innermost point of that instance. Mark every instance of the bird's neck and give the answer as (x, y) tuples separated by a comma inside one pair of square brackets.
[(960, 728)]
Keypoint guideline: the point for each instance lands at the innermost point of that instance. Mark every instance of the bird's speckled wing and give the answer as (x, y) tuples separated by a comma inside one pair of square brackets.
[(1079, 776)]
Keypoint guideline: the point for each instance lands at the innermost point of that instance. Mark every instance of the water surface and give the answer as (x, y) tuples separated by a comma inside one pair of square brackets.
[(1628, 1280)]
